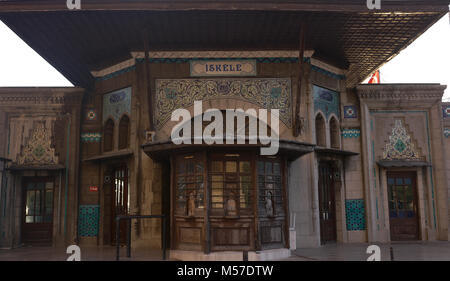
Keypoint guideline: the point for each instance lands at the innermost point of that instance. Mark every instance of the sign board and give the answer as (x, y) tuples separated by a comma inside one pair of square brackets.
[(93, 188), (223, 68)]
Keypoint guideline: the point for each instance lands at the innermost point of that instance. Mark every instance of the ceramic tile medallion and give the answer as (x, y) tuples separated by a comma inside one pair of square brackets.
[(91, 115), (445, 111), (350, 112), (267, 93), (117, 103), (447, 132), (400, 146), (326, 101)]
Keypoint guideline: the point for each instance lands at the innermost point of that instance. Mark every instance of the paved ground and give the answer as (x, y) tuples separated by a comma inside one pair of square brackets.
[(402, 251), (106, 253), (420, 251)]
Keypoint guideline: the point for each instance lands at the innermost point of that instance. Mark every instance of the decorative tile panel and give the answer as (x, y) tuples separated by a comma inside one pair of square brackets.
[(446, 111), (351, 133), (269, 93), (400, 146), (38, 149), (88, 220), (117, 103), (350, 111), (355, 214), (326, 101), (91, 137), (91, 115), (447, 132)]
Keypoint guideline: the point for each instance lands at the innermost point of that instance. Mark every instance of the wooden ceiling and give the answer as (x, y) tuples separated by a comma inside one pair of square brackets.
[(76, 42)]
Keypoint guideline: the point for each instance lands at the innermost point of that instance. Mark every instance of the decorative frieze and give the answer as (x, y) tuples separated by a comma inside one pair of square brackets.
[(400, 92), (91, 137), (351, 133), (267, 93)]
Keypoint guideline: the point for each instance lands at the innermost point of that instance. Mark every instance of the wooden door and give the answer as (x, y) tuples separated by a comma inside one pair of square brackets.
[(38, 210), (230, 179), (188, 202), (271, 204), (327, 205), (402, 196), (121, 201)]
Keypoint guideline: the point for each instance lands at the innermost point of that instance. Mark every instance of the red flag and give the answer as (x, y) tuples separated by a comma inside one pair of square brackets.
[(375, 79)]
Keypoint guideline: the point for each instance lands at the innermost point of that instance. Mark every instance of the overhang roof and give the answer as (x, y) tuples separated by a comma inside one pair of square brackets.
[(103, 33)]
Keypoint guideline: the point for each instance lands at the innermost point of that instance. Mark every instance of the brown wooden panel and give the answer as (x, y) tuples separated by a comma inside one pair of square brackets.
[(230, 236), (190, 235)]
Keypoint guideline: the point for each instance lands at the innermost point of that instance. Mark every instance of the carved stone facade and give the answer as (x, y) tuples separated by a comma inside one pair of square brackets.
[(337, 191)]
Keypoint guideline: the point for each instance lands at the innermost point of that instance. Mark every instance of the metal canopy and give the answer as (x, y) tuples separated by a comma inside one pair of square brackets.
[(357, 39)]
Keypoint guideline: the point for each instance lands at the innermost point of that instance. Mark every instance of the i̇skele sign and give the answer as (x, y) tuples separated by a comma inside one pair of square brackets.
[(223, 68)]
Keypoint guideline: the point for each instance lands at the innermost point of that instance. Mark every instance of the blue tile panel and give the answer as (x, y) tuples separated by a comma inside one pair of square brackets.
[(355, 214), (351, 133), (326, 101), (91, 137), (117, 103), (88, 220)]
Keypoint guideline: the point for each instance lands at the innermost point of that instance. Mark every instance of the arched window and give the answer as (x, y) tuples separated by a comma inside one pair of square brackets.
[(124, 132), (108, 136), (320, 131), (334, 133)]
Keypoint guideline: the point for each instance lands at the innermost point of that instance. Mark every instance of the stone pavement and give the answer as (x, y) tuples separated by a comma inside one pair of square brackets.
[(403, 251), (88, 253)]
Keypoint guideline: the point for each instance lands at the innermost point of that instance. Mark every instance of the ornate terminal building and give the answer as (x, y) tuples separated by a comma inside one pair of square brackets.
[(356, 163)]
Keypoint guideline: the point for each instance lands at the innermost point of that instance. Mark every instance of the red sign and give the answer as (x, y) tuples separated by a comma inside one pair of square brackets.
[(93, 188)]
